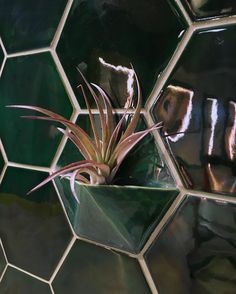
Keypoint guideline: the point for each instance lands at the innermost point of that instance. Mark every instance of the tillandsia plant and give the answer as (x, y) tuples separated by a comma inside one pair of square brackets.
[(102, 154)]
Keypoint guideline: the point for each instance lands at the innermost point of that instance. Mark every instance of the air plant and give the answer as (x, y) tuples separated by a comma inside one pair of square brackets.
[(102, 154)]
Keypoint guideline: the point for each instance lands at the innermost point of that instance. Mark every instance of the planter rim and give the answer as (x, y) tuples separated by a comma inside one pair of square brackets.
[(127, 186)]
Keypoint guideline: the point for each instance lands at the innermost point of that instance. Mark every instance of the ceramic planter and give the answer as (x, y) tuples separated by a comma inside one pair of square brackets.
[(118, 216)]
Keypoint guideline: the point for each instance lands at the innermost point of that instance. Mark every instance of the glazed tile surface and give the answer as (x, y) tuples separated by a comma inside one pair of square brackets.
[(171, 209), (210, 8), (36, 82), (195, 252), (26, 24), (17, 282), (33, 228), (198, 108), (110, 272), (103, 37)]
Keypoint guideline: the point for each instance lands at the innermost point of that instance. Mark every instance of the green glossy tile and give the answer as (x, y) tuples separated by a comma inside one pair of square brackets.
[(118, 216), (17, 282), (31, 80), (196, 251), (2, 260), (103, 37), (142, 167), (91, 269), (198, 109), (209, 8), (26, 24), (33, 227)]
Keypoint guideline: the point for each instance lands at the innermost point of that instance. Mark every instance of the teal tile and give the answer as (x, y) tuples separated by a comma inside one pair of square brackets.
[(103, 37), (25, 24), (31, 80), (17, 282), (91, 269), (196, 250), (198, 109), (33, 227), (209, 8)]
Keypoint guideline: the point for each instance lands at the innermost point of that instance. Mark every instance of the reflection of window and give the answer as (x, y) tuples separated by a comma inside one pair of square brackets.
[(175, 110)]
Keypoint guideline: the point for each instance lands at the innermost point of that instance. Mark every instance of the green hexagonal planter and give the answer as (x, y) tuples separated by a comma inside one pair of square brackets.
[(117, 216)]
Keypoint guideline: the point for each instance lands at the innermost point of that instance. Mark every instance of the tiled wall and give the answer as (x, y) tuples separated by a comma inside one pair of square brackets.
[(174, 230)]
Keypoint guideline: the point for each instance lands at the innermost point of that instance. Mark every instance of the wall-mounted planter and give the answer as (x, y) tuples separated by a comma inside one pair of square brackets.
[(118, 216)]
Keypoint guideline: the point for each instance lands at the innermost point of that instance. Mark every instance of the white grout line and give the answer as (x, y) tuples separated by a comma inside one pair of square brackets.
[(2, 149), (3, 250), (163, 221), (61, 24), (2, 66), (115, 111), (184, 12), (28, 166), (29, 52), (65, 80), (28, 273), (66, 252), (160, 83), (214, 23), (3, 273), (51, 288), (148, 276), (3, 173), (3, 47), (165, 153), (211, 195)]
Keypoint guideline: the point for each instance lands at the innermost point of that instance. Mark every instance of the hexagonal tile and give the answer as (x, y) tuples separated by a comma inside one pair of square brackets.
[(198, 108), (196, 250), (92, 269), (209, 8), (28, 25), (31, 80), (15, 281), (33, 227), (103, 37)]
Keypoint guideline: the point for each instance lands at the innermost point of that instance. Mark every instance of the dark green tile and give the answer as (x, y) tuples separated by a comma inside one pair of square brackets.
[(2, 260), (26, 24), (210, 8), (31, 80), (91, 269), (198, 101), (196, 251), (33, 227), (17, 282), (144, 33)]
